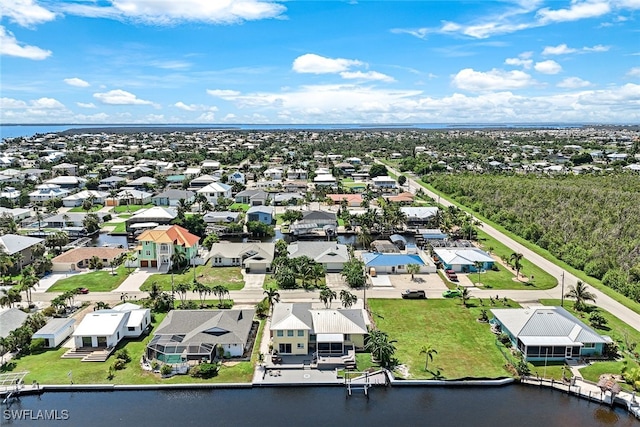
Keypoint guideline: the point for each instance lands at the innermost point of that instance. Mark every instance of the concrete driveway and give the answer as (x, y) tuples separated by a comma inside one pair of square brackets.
[(252, 281), (133, 282)]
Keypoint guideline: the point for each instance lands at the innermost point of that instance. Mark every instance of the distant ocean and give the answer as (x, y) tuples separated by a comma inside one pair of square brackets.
[(13, 131)]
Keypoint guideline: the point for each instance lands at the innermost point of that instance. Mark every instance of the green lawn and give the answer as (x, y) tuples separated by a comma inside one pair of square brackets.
[(503, 279), (466, 347), (553, 370), (130, 208), (96, 281), (94, 208), (119, 227), (270, 282), (239, 206), (49, 368), (231, 277)]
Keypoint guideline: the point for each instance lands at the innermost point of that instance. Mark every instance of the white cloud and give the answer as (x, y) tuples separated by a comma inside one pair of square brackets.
[(194, 107), (206, 117), (563, 49), (164, 12), (578, 10), (11, 47), (40, 103), (368, 75), (548, 67), (225, 94), (25, 13), (75, 81), (634, 72), (519, 62), (316, 64), (171, 65), (120, 97), (573, 83), (86, 104), (478, 81)]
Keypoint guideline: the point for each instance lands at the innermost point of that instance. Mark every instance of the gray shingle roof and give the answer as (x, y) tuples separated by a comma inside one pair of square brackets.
[(208, 326), (14, 243), (10, 319)]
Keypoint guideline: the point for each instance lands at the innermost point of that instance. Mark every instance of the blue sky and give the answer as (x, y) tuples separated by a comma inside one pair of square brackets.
[(255, 61)]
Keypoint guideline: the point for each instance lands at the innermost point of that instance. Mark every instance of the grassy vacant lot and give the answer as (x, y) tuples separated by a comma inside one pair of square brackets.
[(130, 208), (619, 331), (466, 347), (94, 208), (96, 281), (231, 277), (119, 227), (239, 207), (48, 368), (502, 280), (270, 282)]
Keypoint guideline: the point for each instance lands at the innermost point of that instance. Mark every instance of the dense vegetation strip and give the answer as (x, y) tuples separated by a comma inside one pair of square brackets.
[(589, 222)]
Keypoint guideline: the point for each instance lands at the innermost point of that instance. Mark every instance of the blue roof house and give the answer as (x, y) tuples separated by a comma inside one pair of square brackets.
[(396, 263), (263, 214)]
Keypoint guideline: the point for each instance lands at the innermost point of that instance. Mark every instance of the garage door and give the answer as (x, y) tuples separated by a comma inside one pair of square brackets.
[(154, 263), (144, 263)]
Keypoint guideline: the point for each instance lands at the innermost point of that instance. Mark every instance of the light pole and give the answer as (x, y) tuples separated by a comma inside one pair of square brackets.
[(562, 296)]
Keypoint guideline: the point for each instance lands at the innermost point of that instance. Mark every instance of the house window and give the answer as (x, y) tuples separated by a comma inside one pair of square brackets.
[(300, 346), (290, 333), (280, 333), (131, 328), (118, 335), (300, 333), (347, 337), (148, 253), (589, 345), (401, 267)]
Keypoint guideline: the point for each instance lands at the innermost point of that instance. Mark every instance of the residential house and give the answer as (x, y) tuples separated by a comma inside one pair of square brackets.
[(11, 194), (273, 174), (352, 200), (158, 245), (46, 192), (384, 183), (215, 190), (78, 258), (263, 214), (392, 263), (325, 180), (287, 199), (225, 217), (419, 216), (65, 169), (196, 335), (18, 214), (253, 257), (56, 331), (68, 220), (76, 199), (142, 183), (331, 255), (202, 181), (297, 174), (14, 244), (152, 217), (463, 259), (129, 196), (298, 329), (252, 197), (315, 221), (67, 182), (210, 165), (238, 177), (111, 182), (172, 197), (548, 333), (105, 328)]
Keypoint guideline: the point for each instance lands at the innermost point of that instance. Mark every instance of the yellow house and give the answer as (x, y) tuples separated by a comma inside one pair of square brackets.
[(297, 329)]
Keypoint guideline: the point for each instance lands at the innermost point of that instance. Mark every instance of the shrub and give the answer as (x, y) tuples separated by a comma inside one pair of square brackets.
[(119, 364), (166, 370), (123, 354), (597, 320), (205, 370), (504, 339), (111, 373), (36, 346), (49, 311), (155, 365)]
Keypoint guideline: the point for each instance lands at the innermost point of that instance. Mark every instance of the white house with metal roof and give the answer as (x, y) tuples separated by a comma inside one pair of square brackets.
[(463, 259), (548, 333), (56, 331), (12, 244), (331, 255), (105, 328)]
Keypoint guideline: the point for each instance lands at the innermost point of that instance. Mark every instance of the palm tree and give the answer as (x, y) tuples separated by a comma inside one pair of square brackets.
[(381, 349), (129, 258), (516, 258), (478, 266), (220, 291), (28, 282), (9, 297), (327, 296), (202, 290), (581, 295), (413, 269), (465, 295), (101, 306), (182, 289), (272, 295), (154, 291), (428, 351), (178, 260), (347, 298)]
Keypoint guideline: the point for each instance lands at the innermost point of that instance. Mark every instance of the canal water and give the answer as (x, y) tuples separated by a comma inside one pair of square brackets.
[(513, 405)]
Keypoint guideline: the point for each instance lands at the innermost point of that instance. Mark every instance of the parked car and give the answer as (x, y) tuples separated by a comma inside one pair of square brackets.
[(452, 293), (83, 290), (413, 294), (451, 275)]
